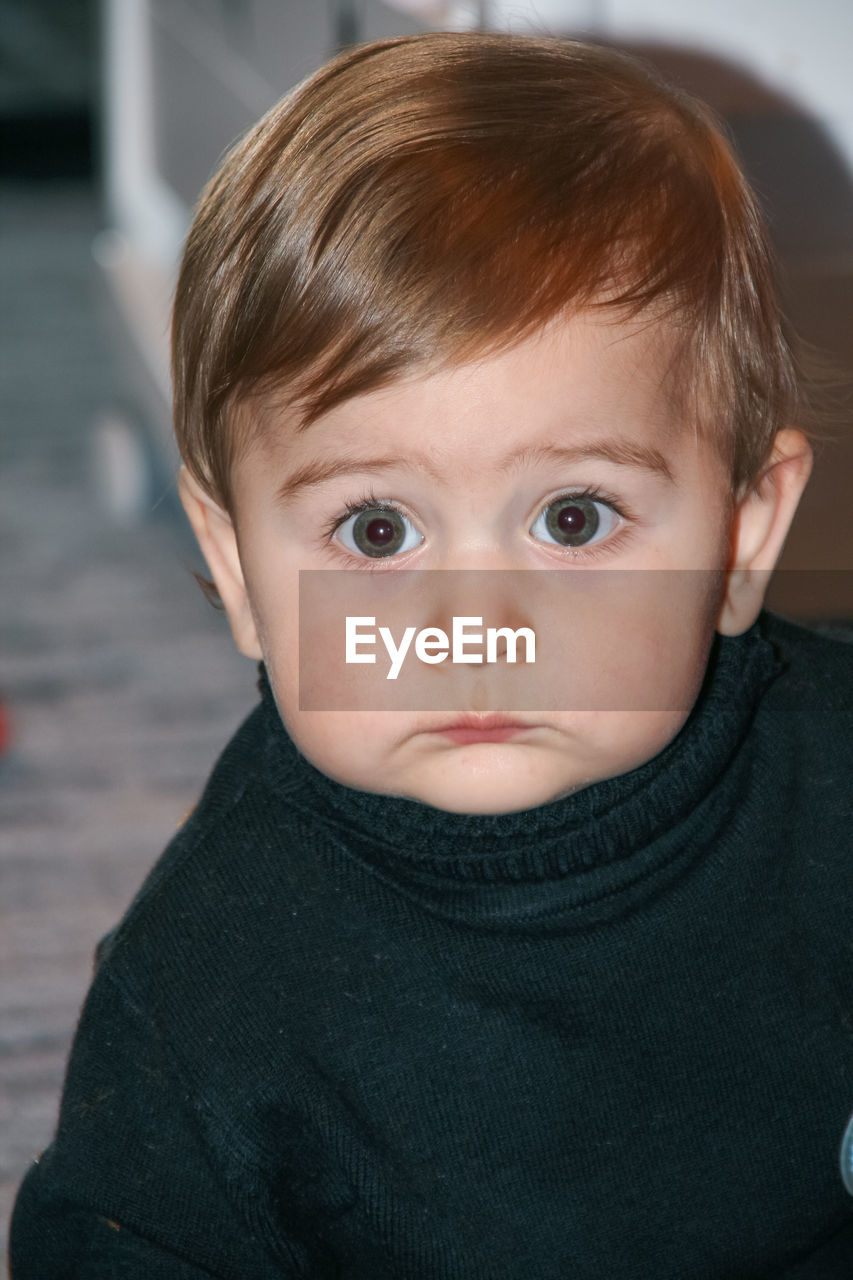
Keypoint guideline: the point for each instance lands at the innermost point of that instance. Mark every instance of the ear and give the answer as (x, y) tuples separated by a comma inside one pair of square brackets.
[(217, 538), (759, 527)]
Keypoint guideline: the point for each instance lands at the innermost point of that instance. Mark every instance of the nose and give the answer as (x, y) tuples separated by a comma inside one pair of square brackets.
[(477, 600)]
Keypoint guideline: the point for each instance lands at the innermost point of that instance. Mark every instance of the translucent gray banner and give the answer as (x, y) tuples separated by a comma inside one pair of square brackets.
[(504, 641)]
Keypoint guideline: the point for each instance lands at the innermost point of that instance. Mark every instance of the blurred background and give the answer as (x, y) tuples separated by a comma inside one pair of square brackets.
[(118, 684)]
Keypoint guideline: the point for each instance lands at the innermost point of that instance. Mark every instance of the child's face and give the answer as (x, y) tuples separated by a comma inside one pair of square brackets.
[(581, 409)]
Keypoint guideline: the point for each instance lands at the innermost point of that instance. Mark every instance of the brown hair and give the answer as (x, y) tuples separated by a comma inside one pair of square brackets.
[(440, 196)]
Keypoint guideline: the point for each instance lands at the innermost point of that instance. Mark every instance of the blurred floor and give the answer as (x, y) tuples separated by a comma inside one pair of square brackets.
[(120, 683)]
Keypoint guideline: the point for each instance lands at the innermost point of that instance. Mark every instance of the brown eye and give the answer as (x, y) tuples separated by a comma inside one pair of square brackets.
[(574, 521), (378, 532)]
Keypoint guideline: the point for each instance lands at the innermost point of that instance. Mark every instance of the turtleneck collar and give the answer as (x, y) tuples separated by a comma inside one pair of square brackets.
[(608, 825)]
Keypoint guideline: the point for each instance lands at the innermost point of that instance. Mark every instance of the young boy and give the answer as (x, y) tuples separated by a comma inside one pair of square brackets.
[(459, 988)]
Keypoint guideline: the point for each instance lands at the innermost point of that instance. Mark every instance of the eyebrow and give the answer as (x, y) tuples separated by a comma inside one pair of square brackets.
[(621, 452)]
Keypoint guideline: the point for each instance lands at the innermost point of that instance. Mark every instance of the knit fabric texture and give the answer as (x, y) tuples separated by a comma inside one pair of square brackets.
[(341, 1035)]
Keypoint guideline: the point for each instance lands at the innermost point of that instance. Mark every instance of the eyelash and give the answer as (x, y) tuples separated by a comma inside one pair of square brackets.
[(591, 492), (365, 503), (608, 544)]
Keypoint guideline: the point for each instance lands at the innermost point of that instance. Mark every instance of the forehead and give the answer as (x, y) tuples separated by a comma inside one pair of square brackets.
[(589, 381)]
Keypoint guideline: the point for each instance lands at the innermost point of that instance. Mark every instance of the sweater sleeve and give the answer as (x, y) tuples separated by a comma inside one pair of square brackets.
[(57, 1239), (132, 1186)]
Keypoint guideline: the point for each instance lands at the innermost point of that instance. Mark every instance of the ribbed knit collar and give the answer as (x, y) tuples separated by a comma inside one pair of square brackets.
[(610, 822)]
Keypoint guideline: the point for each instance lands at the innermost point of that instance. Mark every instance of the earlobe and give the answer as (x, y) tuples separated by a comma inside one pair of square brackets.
[(760, 525), (217, 539)]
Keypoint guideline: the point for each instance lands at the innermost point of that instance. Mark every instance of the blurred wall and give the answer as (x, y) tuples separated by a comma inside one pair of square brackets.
[(184, 78), (48, 89), (800, 47)]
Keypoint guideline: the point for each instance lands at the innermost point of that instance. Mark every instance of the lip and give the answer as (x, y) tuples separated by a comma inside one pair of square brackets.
[(473, 728)]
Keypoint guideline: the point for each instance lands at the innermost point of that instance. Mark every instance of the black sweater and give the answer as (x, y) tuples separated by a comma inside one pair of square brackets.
[(611, 1038)]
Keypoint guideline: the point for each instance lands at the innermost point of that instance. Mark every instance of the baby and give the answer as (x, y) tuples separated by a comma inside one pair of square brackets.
[(454, 977)]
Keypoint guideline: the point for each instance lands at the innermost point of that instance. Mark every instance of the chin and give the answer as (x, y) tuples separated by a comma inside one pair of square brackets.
[(495, 795)]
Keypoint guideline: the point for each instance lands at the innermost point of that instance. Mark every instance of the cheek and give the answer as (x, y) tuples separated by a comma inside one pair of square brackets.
[(349, 747), (616, 742), (272, 584), (634, 641)]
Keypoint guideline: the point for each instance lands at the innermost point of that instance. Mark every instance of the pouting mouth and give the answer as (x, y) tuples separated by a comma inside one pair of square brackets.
[(481, 721), (473, 727)]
